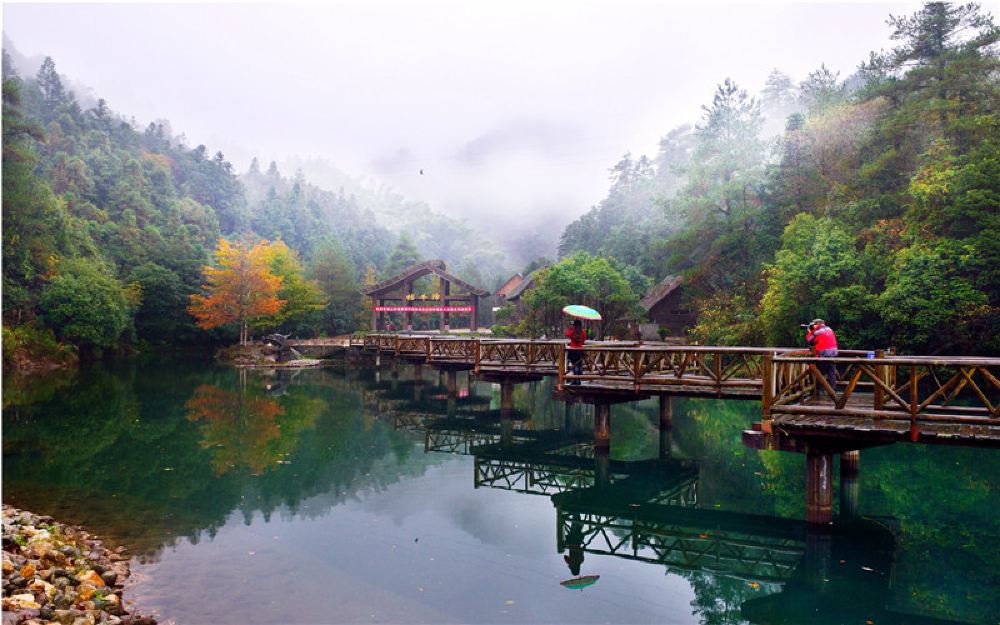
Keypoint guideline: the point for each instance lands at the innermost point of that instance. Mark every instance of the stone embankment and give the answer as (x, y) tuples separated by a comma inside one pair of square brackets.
[(60, 574)]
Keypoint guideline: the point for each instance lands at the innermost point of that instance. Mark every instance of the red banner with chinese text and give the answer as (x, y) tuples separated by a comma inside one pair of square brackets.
[(425, 309)]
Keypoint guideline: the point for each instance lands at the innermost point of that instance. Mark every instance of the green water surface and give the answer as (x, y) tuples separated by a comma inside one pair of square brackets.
[(356, 495)]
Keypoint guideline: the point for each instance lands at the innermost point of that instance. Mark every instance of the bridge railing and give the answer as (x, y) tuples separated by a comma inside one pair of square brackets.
[(919, 389), (451, 350), (517, 355), (412, 345), (695, 369), (381, 342)]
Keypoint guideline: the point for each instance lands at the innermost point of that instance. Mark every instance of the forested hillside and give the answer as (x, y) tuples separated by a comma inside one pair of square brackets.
[(869, 200), (107, 227), (877, 208)]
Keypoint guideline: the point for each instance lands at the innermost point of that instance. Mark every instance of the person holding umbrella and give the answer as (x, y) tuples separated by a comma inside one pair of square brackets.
[(576, 335)]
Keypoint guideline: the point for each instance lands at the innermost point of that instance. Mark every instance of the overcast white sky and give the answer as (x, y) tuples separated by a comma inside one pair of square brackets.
[(514, 110)]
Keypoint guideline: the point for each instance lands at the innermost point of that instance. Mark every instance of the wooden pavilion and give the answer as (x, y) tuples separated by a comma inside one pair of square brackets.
[(396, 295)]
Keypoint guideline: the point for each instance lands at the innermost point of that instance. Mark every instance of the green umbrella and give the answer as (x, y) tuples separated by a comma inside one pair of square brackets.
[(580, 582), (583, 312)]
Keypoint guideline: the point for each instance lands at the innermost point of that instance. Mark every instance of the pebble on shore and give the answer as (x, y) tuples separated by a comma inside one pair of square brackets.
[(59, 574)]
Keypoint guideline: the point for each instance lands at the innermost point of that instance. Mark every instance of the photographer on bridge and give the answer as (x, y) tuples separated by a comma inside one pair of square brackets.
[(824, 341)]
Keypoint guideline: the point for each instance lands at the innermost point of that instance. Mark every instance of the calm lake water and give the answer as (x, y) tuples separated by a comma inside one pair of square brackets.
[(356, 495)]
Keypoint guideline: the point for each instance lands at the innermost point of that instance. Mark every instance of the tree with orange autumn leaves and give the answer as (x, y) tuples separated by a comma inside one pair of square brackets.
[(239, 289)]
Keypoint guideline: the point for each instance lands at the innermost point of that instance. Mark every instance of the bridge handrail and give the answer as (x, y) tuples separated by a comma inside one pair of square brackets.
[(896, 360), (796, 386)]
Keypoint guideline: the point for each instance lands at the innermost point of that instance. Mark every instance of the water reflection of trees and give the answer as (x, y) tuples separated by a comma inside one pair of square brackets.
[(239, 429), (153, 451)]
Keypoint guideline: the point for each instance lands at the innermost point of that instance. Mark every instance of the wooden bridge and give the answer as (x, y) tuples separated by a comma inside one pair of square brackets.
[(880, 398)]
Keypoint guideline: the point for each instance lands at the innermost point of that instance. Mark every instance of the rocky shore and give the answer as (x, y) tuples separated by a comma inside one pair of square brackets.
[(60, 574)]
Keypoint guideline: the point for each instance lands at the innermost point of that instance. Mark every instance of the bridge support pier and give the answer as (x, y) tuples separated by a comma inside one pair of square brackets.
[(819, 487), (451, 382), (666, 412), (506, 398), (602, 426), (850, 465)]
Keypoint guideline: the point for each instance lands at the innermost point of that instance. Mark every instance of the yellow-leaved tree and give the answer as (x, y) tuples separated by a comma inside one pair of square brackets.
[(238, 289)]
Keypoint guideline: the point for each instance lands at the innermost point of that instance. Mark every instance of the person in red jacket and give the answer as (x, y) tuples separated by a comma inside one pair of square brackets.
[(576, 335), (824, 341)]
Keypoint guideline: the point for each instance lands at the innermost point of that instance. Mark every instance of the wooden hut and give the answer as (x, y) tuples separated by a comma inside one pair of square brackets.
[(666, 304)]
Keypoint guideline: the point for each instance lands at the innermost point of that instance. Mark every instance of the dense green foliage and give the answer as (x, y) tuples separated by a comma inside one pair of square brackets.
[(579, 279), (878, 208)]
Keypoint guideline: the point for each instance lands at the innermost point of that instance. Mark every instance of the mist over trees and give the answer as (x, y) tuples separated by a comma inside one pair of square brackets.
[(875, 206), (96, 208)]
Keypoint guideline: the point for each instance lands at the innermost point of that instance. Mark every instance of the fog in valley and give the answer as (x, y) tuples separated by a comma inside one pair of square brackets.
[(506, 115)]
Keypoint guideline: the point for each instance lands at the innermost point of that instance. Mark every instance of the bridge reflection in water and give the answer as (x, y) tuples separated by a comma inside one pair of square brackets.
[(651, 511)]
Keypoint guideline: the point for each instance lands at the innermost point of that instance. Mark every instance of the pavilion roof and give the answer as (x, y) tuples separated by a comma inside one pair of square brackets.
[(436, 267), (656, 293)]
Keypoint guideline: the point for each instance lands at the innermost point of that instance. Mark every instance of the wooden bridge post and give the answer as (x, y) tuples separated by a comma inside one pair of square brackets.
[(718, 374), (452, 382), (562, 367), (850, 464), (768, 383), (882, 373), (819, 487), (914, 404), (602, 426)]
